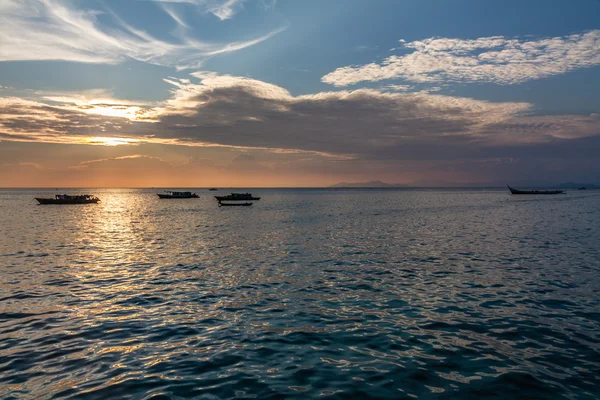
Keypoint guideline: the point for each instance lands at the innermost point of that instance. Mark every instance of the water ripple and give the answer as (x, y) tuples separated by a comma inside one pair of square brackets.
[(336, 294)]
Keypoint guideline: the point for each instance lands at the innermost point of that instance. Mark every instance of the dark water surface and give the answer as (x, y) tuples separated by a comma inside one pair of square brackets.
[(309, 293)]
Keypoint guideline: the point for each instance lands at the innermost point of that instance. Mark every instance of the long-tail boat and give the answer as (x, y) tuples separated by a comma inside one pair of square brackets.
[(237, 197), (68, 199), (517, 191), (177, 195)]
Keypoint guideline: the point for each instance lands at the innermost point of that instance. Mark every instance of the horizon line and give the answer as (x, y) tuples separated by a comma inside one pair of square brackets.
[(271, 187)]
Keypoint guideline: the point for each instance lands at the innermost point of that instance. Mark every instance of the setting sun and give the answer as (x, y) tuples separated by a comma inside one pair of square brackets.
[(112, 141), (104, 108)]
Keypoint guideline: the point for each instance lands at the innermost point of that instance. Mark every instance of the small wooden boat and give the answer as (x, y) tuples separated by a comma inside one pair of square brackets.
[(68, 199), (516, 191), (237, 197), (246, 204), (177, 195)]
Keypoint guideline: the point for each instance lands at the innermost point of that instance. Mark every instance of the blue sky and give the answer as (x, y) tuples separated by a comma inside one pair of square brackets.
[(404, 91)]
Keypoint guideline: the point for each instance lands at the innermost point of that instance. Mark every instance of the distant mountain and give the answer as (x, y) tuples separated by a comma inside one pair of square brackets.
[(371, 184)]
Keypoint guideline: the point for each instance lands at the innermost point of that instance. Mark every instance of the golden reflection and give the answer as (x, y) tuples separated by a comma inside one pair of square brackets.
[(108, 242), (120, 349)]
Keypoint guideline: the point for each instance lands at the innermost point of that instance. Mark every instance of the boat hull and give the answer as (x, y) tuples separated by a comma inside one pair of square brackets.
[(61, 201), (168, 196), (535, 192), (236, 198), (234, 204)]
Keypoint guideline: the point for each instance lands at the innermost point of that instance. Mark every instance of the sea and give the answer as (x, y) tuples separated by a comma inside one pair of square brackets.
[(308, 293)]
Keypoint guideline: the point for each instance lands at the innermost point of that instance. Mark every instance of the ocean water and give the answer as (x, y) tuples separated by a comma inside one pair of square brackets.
[(357, 294)]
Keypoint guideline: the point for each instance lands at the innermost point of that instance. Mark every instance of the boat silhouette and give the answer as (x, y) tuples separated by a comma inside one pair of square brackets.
[(237, 197), (68, 199), (177, 195), (517, 191), (246, 204)]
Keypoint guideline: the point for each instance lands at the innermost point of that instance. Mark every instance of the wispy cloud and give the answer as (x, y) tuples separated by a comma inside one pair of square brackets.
[(174, 16), (51, 30), (398, 88), (496, 59), (222, 9), (85, 164)]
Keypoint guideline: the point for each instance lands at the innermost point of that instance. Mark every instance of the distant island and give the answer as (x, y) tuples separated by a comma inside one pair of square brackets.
[(370, 184)]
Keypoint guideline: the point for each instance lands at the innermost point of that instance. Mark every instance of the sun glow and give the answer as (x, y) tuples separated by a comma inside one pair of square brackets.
[(105, 106), (106, 109), (112, 141)]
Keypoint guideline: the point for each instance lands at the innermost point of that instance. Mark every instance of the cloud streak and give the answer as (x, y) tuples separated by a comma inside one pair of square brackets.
[(51, 30), (497, 59)]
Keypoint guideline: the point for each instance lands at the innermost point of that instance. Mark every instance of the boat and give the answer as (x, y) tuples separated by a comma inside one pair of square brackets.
[(246, 204), (516, 191), (177, 195), (213, 189), (68, 199), (237, 197), (582, 188)]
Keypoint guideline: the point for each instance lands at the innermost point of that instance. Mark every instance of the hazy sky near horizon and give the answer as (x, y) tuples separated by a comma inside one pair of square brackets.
[(188, 93)]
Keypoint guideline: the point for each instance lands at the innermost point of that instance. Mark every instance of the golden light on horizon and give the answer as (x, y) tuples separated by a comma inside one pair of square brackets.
[(112, 141)]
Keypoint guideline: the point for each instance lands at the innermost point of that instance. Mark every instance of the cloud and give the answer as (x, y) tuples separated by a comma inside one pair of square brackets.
[(96, 102), (225, 9), (222, 9), (398, 88), (51, 30), (361, 123), (30, 164), (249, 129), (174, 16), (36, 121), (213, 110), (496, 59), (526, 129)]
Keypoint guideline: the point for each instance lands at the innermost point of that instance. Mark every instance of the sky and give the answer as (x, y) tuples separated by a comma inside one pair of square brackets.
[(287, 93)]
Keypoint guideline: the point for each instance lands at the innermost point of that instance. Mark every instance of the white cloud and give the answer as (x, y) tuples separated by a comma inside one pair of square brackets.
[(494, 59), (50, 30)]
